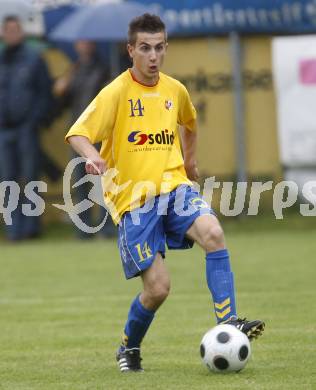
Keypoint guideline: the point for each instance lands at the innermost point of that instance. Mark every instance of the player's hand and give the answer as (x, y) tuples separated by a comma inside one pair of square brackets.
[(192, 170), (95, 166)]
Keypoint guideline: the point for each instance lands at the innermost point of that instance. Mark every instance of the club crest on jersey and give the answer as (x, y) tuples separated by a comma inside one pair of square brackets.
[(168, 104), (199, 203)]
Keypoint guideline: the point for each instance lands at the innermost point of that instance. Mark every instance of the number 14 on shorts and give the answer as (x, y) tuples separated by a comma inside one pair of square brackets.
[(144, 252)]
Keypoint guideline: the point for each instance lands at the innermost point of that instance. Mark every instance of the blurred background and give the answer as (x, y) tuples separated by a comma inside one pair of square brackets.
[(249, 66)]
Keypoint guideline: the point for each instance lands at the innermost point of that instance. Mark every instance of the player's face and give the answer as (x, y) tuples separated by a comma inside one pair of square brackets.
[(148, 54), (12, 33)]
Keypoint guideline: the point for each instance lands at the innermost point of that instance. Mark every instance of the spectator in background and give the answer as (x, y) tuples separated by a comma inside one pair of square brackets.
[(77, 88), (25, 99)]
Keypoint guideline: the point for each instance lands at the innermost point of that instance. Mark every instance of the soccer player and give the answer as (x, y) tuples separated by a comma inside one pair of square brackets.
[(150, 194)]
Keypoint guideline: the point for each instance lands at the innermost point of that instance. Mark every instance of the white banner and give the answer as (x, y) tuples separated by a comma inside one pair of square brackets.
[(294, 67)]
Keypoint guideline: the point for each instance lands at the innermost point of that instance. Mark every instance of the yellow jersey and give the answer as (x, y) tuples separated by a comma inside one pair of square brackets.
[(138, 126)]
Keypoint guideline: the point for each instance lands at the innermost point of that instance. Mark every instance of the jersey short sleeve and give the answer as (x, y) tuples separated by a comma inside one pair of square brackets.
[(98, 119), (187, 113)]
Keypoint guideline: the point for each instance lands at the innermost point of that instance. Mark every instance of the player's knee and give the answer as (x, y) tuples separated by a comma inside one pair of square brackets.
[(160, 291), (213, 238)]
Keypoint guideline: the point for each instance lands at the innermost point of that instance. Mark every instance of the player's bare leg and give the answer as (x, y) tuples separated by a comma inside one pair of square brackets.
[(207, 232), (156, 286)]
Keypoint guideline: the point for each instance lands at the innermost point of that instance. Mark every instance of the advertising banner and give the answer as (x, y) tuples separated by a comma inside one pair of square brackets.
[(245, 16), (205, 69), (294, 66)]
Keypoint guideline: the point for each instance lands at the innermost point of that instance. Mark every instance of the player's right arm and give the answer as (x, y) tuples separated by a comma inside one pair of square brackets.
[(95, 125), (94, 162)]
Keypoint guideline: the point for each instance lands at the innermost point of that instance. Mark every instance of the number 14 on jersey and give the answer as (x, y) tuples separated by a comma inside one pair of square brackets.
[(137, 108)]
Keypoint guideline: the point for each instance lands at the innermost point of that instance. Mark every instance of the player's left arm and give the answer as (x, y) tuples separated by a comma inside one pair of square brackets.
[(189, 143), (187, 119)]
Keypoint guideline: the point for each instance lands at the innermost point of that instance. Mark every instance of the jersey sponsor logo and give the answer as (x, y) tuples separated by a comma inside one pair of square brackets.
[(137, 138), (161, 138)]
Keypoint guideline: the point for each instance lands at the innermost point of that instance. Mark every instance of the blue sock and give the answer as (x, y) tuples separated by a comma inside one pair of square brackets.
[(220, 281), (138, 322)]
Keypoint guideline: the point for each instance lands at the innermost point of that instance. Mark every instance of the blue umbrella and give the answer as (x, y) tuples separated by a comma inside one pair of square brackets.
[(107, 22), (54, 16)]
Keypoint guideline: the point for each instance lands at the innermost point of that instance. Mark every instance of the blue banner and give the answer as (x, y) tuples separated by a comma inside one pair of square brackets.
[(191, 17)]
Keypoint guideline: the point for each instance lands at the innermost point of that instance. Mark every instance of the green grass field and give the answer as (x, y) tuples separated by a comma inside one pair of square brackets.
[(63, 305)]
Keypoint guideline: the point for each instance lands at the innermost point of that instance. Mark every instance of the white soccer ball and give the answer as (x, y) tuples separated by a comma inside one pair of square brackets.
[(224, 348)]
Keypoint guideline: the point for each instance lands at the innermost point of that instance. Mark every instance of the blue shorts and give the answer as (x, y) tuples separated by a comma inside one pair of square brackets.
[(163, 220)]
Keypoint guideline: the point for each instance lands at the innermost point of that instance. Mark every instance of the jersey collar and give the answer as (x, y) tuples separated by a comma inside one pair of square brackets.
[(137, 81)]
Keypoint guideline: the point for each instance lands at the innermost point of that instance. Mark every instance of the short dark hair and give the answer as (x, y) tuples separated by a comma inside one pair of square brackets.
[(11, 18), (145, 23)]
